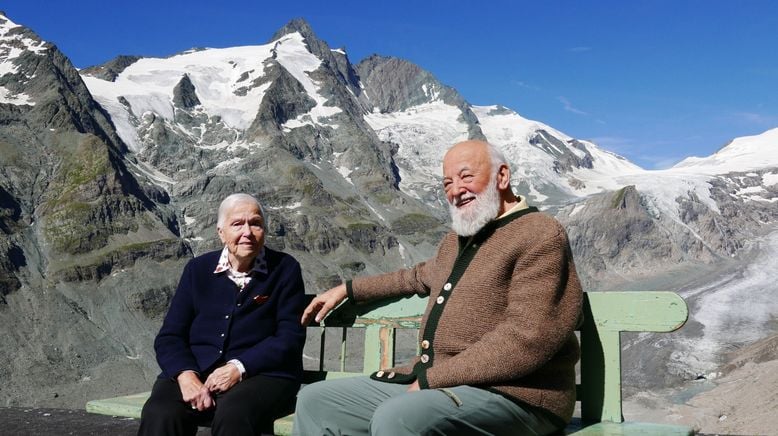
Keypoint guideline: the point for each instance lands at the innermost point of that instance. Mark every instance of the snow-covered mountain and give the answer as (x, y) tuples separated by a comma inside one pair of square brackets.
[(110, 178), (227, 84), (748, 153), (421, 118), (548, 166)]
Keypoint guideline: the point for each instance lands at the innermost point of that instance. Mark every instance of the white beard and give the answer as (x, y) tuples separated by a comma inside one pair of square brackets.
[(474, 216)]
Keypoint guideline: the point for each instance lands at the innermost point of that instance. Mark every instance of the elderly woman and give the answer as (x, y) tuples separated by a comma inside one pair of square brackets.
[(230, 347)]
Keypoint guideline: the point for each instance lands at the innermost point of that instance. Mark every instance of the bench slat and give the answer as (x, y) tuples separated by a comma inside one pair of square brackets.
[(637, 311), (129, 405), (633, 429)]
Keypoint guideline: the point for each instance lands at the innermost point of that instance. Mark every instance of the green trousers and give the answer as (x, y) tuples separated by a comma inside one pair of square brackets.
[(361, 406)]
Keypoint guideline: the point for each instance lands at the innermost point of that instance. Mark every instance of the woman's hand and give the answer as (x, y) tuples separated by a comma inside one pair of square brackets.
[(193, 391), (323, 304), (223, 378)]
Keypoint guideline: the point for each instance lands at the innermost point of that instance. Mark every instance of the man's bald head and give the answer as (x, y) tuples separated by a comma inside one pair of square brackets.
[(480, 148)]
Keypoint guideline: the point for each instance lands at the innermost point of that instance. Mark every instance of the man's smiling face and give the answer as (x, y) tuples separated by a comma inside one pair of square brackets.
[(467, 171), (470, 186)]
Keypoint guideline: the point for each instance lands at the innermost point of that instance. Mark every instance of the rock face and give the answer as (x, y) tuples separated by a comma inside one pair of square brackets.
[(395, 85), (111, 69), (71, 214), (110, 180), (630, 232), (725, 404)]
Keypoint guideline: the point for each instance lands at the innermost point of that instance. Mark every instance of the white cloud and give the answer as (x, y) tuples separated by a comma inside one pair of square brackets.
[(569, 106)]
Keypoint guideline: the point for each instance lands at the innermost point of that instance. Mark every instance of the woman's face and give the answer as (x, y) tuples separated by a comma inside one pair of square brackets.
[(243, 234)]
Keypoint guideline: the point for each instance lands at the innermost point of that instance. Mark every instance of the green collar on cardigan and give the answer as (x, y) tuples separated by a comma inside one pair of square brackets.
[(490, 227)]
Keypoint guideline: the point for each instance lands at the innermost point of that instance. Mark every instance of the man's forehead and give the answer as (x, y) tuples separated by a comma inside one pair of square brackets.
[(463, 157)]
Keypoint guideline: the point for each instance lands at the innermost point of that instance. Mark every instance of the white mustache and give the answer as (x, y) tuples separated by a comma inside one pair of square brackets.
[(460, 200)]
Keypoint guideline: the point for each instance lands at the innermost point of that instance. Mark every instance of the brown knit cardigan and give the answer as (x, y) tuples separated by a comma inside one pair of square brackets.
[(502, 310)]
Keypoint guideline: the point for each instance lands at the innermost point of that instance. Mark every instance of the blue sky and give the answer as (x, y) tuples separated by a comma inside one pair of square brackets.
[(654, 81)]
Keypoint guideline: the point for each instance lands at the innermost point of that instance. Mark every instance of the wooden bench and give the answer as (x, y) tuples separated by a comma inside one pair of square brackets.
[(606, 315)]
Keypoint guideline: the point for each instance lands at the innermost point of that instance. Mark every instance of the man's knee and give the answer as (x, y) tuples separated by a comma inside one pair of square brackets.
[(311, 414), (397, 416)]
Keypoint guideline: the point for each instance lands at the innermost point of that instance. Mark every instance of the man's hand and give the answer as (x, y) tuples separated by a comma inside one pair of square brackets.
[(414, 387), (223, 378), (323, 304), (193, 391)]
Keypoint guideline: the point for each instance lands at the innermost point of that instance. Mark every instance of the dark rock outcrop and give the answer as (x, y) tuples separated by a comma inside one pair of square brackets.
[(110, 70)]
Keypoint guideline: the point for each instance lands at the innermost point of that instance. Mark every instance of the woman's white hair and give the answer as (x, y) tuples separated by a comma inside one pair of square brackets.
[(234, 199)]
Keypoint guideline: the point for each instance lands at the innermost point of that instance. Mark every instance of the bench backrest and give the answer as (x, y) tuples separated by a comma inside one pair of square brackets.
[(605, 315), (380, 321)]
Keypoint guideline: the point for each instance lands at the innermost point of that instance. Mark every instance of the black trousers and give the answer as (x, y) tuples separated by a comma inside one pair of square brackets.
[(248, 408)]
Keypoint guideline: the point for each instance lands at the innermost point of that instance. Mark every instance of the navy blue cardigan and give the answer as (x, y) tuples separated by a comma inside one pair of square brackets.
[(209, 322)]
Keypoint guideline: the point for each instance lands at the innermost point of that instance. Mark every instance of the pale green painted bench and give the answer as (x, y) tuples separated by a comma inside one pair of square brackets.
[(606, 315)]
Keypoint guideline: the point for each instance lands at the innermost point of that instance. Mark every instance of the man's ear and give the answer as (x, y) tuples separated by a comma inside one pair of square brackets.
[(503, 177)]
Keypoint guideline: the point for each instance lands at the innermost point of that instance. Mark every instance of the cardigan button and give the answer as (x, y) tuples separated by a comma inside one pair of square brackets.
[(379, 374), (425, 358), (447, 287), (440, 299), (222, 335), (226, 317), (391, 375), (425, 344)]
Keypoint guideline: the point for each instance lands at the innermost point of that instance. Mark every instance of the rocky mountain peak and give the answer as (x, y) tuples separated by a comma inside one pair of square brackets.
[(334, 60), (16, 43), (11, 30), (316, 46), (111, 69), (299, 25), (394, 85)]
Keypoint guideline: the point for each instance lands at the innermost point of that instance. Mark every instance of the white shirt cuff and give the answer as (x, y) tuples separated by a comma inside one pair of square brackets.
[(238, 364)]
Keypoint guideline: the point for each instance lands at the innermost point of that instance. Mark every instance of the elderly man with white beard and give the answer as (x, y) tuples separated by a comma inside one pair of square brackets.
[(497, 339)]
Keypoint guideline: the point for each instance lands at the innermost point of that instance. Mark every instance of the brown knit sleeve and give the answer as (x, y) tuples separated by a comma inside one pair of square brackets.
[(404, 282)]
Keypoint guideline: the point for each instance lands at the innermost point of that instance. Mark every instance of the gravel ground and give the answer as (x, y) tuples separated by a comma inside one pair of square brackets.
[(27, 421), (33, 421)]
